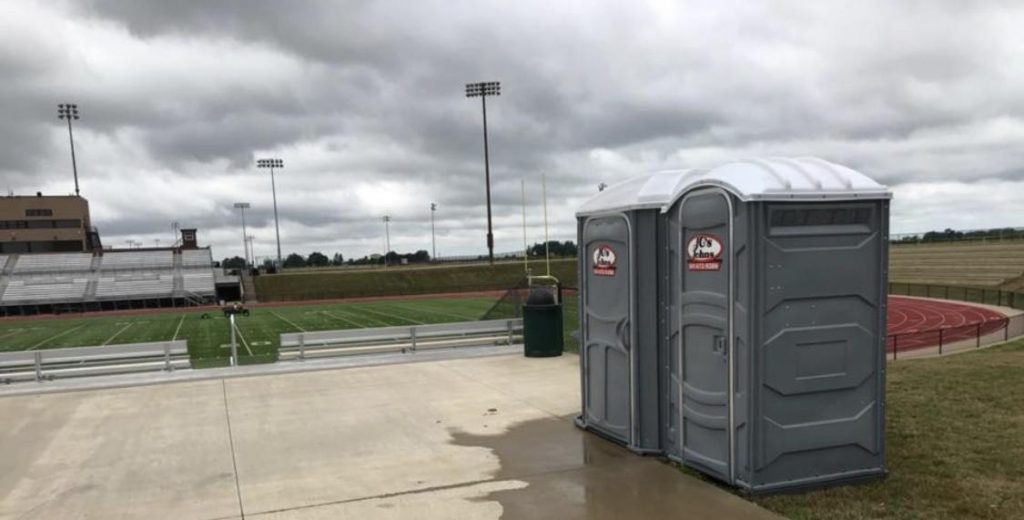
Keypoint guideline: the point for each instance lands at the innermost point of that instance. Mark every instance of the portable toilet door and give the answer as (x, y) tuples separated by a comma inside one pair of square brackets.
[(775, 316), (703, 352), (607, 340)]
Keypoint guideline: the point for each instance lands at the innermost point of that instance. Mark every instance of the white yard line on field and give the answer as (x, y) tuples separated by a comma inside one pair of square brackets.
[(342, 318), (55, 336), (178, 329), (118, 333), (11, 333), (286, 320), (439, 313), (362, 326), (410, 320), (241, 337)]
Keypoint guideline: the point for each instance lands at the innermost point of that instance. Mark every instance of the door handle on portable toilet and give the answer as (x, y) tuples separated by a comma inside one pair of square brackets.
[(720, 344), (623, 332)]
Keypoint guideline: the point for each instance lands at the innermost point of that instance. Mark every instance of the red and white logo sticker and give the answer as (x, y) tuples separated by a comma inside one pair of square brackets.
[(604, 261), (704, 253)]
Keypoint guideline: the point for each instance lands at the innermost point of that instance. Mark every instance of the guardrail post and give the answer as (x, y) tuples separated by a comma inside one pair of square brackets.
[(1006, 329), (511, 328), (167, 357), (234, 343), (895, 346), (940, 340), (978, 329), (302, 347), (412, 334), (39, 365)]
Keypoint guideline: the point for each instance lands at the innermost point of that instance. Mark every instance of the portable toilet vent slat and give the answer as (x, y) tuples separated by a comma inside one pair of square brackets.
[(746, 339)]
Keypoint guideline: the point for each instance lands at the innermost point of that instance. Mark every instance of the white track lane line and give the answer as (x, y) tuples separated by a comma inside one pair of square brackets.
[(286, 320), (55, 336), (178, 329), (410, 320), (118, 333)]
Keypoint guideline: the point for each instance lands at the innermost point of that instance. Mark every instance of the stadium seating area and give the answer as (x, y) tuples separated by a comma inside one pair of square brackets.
[(974, 263), (138, 260), (53, 263), (82, 279)]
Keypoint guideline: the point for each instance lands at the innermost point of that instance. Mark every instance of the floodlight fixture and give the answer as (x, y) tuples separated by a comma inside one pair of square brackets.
[(273, 163)]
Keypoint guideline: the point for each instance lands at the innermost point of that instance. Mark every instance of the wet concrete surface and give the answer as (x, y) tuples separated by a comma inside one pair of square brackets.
[(476, 438), (572, 474)]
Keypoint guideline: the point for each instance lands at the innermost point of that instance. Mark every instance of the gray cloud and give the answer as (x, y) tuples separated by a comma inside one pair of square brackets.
[(365, 103)]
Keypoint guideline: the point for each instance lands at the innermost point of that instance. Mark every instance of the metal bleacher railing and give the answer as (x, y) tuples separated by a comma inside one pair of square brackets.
[(955, 338), (303, 345), (59, 363)]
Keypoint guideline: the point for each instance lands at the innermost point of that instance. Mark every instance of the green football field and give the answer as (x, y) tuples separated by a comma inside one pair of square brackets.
[(209, 336)]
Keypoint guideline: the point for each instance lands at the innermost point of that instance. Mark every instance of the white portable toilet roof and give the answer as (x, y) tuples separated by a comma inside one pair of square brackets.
[(776, 178)]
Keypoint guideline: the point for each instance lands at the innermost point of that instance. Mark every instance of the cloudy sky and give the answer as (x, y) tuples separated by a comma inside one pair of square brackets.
[(364, 101)]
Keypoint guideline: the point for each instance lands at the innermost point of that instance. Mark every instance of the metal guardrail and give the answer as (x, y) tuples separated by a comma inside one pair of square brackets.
[(958, 337), (964, 293), (49, 364), (302, 345)]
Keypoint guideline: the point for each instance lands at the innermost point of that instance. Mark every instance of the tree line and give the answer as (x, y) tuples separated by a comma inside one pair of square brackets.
[(318, 259), (949, 235)]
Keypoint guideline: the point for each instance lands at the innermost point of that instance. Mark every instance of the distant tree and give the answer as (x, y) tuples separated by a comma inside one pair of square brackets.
[(338, 259), (567, 248), (234, 263), (317, 259), (294, 260), (421, 256)]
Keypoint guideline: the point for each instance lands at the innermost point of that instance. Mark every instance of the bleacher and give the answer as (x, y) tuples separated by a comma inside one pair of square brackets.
[(44, 289), (138, 285), (972, 263), (198, 281), (81, 280), (122, 260), (196, 258), (53, 263)]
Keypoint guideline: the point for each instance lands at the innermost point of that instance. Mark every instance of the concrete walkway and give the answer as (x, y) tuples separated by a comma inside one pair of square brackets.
[(486, 437)]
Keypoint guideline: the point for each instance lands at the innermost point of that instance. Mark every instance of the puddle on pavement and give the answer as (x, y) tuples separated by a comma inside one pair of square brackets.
[(573, 474)]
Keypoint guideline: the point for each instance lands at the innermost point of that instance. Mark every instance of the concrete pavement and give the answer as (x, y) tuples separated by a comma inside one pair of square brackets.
[(488, 437)]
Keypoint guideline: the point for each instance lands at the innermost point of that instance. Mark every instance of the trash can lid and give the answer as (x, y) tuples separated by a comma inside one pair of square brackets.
[(540, 296)]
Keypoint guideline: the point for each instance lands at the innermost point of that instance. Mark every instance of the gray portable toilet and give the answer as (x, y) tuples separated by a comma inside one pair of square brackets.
[(771, 322), (619, 343)]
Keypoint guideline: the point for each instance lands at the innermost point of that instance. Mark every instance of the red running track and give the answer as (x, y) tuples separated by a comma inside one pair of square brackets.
[(915, 323)]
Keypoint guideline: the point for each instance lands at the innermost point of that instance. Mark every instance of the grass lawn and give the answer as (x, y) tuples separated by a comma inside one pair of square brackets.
[(310, 285), (955, 444), (208, 334)]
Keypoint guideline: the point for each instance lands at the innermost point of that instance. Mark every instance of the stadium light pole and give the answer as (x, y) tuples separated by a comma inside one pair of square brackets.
[(69, 111), (482, 90), (245, 242), (252, 250), (387, 239), (433, 237), (273, 163)]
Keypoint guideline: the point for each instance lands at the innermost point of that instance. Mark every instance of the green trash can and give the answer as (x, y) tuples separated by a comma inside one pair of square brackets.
[(542, 324)]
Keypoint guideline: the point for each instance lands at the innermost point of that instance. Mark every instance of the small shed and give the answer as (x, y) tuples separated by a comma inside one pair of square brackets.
[(733, 319)]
